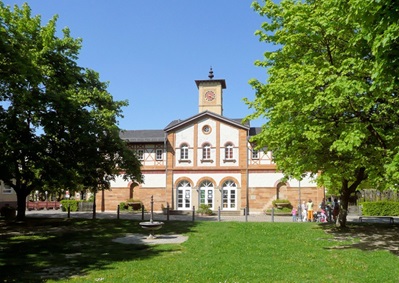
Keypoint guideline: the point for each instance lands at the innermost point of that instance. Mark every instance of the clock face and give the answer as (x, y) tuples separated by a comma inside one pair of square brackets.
[(209, 95)]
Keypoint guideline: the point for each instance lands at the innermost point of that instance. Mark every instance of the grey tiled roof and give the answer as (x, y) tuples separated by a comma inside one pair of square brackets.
[(143, 135), (254, 131)]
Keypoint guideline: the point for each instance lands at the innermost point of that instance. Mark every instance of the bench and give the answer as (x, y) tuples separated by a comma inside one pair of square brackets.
[(377, 218), (36, 205)]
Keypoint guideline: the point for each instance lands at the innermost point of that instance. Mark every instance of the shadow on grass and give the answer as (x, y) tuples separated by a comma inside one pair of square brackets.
[(40, 249), (365, 236)]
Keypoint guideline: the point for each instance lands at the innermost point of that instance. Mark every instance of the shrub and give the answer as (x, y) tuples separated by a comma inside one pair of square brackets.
[(123, 206), (283, 203), (73, 204), (134, 204), (204, 209), (380, 208)]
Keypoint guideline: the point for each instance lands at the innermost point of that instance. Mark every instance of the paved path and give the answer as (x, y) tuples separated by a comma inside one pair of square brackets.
[(161, 217)]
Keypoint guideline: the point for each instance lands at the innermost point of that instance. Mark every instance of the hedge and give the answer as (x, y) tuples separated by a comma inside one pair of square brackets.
[(73, 204), (380, 208)]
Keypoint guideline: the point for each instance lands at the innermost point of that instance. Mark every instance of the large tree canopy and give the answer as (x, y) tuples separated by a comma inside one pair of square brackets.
[(58, 123), (331, 97)]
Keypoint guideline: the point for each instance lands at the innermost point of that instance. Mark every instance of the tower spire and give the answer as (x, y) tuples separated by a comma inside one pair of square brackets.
[(210, 76)]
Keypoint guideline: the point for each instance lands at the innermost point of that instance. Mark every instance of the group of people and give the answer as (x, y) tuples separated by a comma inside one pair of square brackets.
[(324, 214)]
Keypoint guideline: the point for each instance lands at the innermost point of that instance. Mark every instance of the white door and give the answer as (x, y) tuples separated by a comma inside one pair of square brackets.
[(206, 194), (184, 196), (229, 197)]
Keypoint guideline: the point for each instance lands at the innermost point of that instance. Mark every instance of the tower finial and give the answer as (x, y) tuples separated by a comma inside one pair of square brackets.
[(210, 76)]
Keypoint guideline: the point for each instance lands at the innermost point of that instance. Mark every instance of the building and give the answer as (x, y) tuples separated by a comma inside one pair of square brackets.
[(205, 159), (8, 197)]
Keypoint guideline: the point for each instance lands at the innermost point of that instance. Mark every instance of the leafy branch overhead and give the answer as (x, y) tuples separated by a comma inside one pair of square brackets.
[(331, 96), (58, 122)]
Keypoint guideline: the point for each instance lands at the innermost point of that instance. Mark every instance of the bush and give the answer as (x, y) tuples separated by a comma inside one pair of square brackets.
[(122, 206), (380, 208), (282, 203), (73, 204), (204, 209)]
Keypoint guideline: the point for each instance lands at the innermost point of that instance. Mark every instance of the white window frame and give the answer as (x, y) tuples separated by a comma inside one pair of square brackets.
[(255, 154), (206, 151), (184, 152), (183, 196), (159, 154), (229, 195), (207, 194), (229, 151), (140, 154)]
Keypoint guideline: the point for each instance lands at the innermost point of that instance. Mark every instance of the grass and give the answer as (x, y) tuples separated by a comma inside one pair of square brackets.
[(78, 250)]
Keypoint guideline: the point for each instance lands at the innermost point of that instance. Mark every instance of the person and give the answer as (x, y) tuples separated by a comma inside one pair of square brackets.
[(323, 204), (323, 216), (310, 210), (294, 212), (335, 209), (304, 213)]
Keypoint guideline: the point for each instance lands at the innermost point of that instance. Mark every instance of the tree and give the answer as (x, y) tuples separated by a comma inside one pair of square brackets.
[(58, 123), (329, 101)]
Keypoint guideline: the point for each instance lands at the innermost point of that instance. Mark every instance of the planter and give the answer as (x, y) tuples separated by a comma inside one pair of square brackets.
[(134, 205), (282, 204), (278, 213)]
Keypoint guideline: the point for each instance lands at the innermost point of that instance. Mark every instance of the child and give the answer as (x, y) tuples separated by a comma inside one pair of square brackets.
[(293, 212)]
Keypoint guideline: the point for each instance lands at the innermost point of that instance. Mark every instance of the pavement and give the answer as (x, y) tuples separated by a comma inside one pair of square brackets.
[(253, 217)]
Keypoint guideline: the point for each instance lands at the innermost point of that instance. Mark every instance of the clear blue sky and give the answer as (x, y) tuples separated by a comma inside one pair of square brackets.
[(151, 52)]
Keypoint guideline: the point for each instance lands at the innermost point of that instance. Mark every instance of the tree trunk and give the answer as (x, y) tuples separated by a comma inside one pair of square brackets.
[(343, 207), (346, 191), (21, 203)]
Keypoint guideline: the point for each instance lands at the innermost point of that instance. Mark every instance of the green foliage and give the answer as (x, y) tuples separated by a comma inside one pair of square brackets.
[(331, 98), (72, 204), (380, 208), (204, 209), (123, 206), (58, 122)]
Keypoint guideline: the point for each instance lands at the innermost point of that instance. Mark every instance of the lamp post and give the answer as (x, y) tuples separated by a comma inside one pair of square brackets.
[(299, 201)]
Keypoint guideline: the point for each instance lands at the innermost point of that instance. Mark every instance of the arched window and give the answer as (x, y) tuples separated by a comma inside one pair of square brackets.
[(184, 151), (228, 151), (206, 151)]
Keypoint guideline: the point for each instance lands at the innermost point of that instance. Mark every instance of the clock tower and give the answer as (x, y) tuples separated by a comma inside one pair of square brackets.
[(211, 94)]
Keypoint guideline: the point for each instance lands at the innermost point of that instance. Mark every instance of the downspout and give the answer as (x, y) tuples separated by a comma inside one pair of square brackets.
[(166, 167), (247, 172)]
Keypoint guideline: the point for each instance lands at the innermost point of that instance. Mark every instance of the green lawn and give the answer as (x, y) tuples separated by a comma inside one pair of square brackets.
[(71, 250)]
